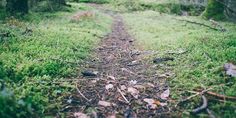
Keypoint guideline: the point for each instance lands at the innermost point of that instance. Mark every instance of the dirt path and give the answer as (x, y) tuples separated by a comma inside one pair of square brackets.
[(125, 82)]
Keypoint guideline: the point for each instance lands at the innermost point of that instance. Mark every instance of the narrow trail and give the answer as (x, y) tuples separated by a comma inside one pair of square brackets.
[(124, 80)]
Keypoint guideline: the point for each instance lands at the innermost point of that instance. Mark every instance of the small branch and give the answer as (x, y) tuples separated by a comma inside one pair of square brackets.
[(202, 107), (82, 94), (201, 24), (220, 96), (122, 95), (190, 97)]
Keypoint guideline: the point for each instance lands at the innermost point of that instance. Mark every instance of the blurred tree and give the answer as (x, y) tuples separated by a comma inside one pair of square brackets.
[(214, 9), (14, 6)]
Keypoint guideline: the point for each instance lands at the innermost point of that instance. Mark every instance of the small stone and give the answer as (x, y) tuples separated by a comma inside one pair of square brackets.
[(88, 73)]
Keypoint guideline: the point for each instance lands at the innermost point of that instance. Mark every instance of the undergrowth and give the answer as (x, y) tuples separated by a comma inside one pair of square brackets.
[(201, 66), (37, 53), (162, 6)]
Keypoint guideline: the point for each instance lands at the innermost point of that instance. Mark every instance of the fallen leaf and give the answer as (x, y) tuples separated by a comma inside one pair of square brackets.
[(153, 106), (109, 86), (111, 116), (80, 115), (230, 69), (111, 77), (153, 103), (134, 92), (163, 104), (104, 103), (150, 84), (123, 87), (165, 94), (149, 101)]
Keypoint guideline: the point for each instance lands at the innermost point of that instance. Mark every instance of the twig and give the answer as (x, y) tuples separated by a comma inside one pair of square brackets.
[(122, 95), (220, 96), (202, 107), (190, 97), (82, 94), (201, 24)]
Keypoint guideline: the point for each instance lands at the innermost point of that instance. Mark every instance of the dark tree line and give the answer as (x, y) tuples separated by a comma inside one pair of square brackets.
[(23, 6), (17, 6)]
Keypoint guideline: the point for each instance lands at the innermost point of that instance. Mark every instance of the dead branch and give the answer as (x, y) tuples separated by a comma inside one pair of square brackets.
[(202, 107), (190, 97), (219, 95), (201, 24), (122, 95), (81, 93)]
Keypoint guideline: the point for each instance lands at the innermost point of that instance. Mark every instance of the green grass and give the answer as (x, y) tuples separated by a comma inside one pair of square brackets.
[(33, 62), (202, 64)]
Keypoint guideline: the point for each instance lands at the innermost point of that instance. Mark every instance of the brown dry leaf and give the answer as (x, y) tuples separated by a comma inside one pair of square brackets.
[(153, 106), (105, 103), (165, 94), (134, 92), (109, 86), (153, 103), (230, 69), (80, 115)]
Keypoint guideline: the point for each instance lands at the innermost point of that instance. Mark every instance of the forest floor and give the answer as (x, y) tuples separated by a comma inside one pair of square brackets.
[(105, 60), (119, 81)]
